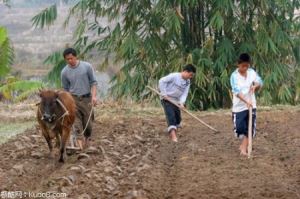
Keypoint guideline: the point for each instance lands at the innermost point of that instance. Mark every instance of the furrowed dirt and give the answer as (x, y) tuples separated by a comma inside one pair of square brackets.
[(132, 157)]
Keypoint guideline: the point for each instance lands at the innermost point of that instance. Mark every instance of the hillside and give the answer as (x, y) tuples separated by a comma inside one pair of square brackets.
[(32, 45)]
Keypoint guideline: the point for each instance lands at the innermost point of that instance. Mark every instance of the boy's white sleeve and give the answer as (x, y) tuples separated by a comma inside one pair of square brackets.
[(163, 83), (258, 79), (184, 95), (234, 85)]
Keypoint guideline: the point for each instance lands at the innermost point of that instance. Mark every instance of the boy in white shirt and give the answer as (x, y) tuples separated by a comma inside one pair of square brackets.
[(244, 83), (175, 87)]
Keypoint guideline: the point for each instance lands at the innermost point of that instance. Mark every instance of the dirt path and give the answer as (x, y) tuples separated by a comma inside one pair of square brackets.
[(132, 158)]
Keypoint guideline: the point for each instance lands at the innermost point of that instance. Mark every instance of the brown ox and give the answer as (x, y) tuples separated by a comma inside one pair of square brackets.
[(56, 115)]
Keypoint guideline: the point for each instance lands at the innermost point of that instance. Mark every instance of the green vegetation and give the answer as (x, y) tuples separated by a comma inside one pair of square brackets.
[(46, 17), (12, 88), (6, 52), (16, 90), (8, 130), (154, 37)]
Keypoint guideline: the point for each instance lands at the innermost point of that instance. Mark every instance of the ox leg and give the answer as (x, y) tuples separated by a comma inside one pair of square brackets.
[(57, 140), (64, 139), (50, 146)]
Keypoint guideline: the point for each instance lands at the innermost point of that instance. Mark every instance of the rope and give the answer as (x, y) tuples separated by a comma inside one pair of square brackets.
[(88, 121), (65, 109), (73, 135)]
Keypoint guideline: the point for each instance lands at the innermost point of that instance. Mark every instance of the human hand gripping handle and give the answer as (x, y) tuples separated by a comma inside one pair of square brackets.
[(165, 97), (246, 101), (249, 104), (94, 95), (254, 87), (94, 101), (252, 91), (179, 105)]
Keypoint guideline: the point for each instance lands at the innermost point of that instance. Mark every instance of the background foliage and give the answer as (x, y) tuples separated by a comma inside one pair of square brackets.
[(16, 90), (152, 38), (12, 88), (6, 52)]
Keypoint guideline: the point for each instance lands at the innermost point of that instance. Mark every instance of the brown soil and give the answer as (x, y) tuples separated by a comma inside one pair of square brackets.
[(133, 158)]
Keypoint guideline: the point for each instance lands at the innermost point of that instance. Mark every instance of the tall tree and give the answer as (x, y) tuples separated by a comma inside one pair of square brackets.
[(6, 52), (154, 37)]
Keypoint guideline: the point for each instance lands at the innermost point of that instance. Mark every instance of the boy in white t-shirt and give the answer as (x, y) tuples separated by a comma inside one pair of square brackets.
[(244, 83)]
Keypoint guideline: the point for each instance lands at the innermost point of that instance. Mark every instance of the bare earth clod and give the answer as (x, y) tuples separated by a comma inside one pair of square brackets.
[(132, 157)]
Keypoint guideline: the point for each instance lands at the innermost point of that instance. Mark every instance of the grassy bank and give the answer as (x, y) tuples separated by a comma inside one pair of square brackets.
[(8, 130)]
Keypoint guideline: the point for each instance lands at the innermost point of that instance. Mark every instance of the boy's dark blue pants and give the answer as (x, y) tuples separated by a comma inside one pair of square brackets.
[(173, 115), (240, 123)]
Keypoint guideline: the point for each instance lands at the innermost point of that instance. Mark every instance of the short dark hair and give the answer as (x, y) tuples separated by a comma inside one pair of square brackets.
[(244, 57), (189, 68), (70, 51)]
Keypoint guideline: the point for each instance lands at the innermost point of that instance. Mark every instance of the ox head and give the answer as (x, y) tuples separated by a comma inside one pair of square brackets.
[(48, 105)]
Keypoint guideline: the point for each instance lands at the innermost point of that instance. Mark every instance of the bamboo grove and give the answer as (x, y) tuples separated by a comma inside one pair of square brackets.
[(151, 38)]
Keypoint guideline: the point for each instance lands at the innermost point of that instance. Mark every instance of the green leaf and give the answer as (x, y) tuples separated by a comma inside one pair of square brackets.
[(6, 52), (45, 18), (217, 21)]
